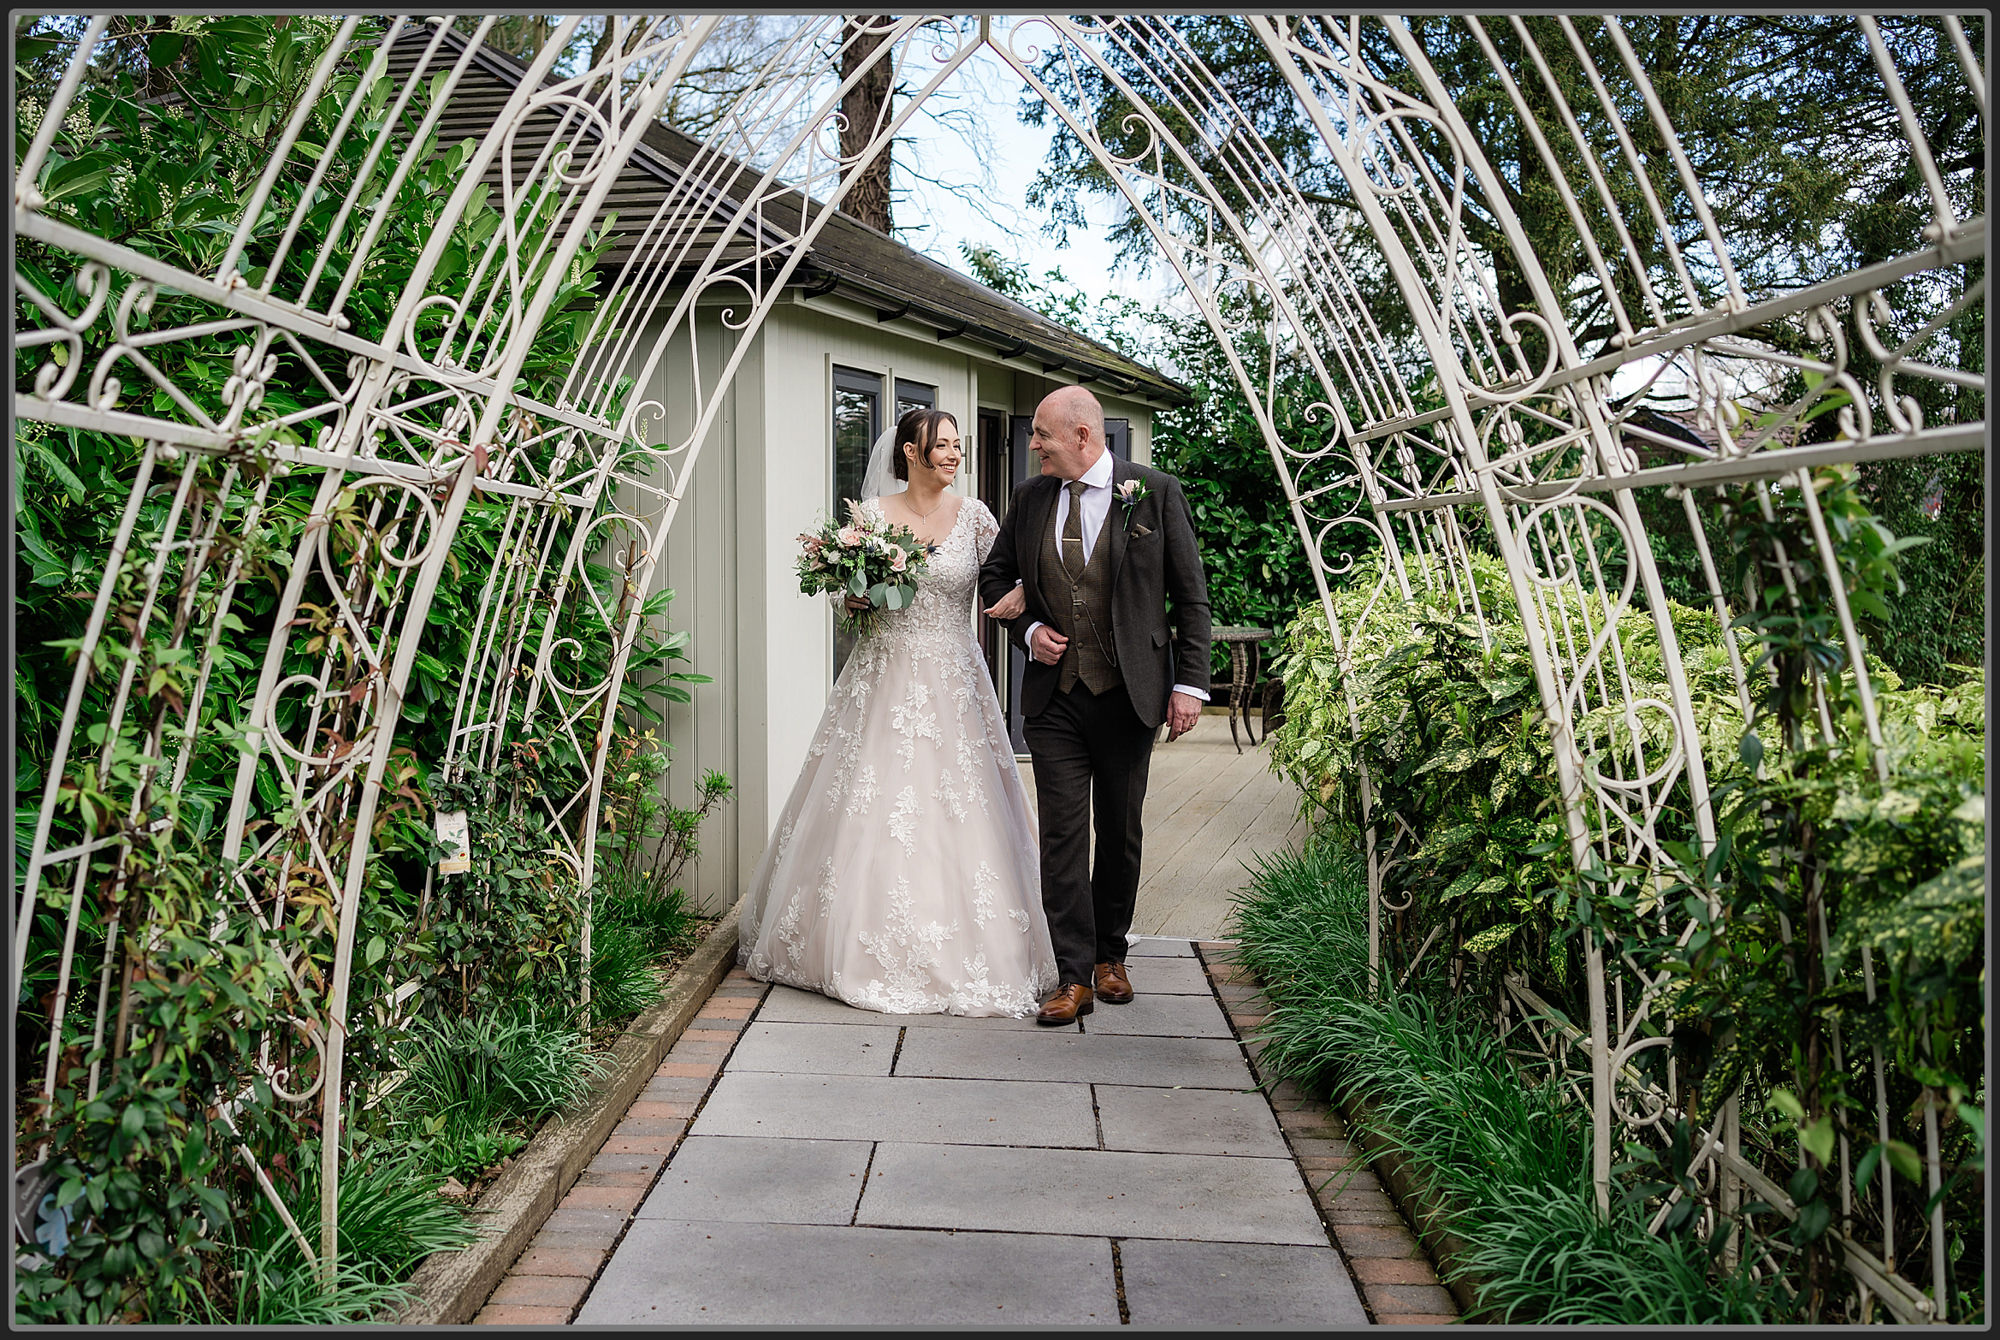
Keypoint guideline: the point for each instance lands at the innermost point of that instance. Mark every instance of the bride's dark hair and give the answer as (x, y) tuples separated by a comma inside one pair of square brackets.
[(920, 426)]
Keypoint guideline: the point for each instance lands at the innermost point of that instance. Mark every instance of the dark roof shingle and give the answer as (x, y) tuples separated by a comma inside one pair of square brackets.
[(847, 255)]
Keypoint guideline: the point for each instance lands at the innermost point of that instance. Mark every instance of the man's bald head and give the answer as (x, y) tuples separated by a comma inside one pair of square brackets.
[(1068, 431), (1077, 407)]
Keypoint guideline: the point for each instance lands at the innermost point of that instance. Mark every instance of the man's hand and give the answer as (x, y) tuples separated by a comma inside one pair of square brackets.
[(1183, 710), (1048, 645), (1010, 606), (859, 603)]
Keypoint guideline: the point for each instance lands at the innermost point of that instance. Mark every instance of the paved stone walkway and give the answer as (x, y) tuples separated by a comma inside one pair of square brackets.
[(796, 1161)]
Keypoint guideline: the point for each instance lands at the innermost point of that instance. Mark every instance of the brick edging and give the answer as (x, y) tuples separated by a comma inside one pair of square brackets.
[(450, 1287), (1372, 1229), (551, 1280), (1421, 1208)]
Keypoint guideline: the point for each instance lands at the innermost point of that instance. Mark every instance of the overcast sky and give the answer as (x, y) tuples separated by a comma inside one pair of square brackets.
[(934, 220)]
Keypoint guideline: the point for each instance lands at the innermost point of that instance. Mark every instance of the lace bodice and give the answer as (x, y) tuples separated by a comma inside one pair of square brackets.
[(939, 620)]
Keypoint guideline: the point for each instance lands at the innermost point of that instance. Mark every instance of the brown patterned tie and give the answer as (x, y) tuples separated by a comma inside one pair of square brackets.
[(1074, 559)]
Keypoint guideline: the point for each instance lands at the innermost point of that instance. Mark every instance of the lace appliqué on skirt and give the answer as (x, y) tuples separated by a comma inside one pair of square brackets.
[(905, 875)]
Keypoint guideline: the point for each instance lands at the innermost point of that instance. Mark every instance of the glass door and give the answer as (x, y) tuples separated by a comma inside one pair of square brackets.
[(857, 422)]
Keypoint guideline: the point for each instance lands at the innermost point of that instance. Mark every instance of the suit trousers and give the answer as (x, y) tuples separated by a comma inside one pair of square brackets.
[(1091, 754)]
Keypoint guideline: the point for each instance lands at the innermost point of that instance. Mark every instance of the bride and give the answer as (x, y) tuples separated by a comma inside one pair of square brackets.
[(904, 875)]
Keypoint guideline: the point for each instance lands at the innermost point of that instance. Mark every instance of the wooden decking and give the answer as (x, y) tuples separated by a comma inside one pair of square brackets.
[(1209, 812)]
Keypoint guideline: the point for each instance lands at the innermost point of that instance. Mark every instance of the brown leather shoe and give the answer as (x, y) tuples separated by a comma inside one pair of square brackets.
[(1113, 986), (1065, 1005)]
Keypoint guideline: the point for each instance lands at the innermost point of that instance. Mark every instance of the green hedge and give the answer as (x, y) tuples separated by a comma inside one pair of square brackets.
[(167, 1227), (1442, 711)]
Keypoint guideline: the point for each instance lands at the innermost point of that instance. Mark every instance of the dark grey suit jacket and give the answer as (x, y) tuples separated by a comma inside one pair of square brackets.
[(1154, 559)]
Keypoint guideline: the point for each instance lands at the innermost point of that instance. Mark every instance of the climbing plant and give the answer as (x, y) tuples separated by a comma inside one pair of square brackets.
[(151, 1211)]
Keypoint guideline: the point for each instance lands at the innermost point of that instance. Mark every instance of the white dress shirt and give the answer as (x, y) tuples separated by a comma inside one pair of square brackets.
[(1096, 506)]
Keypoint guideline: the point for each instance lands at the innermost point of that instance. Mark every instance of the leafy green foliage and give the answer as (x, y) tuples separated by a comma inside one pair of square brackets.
[(1450, 735), (1447, 726), (513, 920), (1934, 629), (1782, 118), (138, 1156), (624, 971), (1549, 1256), (1811, 835), (391, 1218), (176, 121), (1506, 1156), (641, 912), (477, 1086), (1937, 622)]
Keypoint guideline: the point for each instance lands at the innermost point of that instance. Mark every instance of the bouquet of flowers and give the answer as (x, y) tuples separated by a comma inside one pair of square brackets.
[(867, 558)]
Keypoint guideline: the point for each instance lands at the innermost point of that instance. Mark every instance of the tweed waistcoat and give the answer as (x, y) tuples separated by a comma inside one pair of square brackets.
[(1081, 611)]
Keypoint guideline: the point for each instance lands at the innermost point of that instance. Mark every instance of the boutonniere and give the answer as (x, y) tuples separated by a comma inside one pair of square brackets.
[(1130, 494)]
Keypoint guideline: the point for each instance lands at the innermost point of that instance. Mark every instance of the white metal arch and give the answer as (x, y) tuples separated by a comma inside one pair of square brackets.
[(411, 420)]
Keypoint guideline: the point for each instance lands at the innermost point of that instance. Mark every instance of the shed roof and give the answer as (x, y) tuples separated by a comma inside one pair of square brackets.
[(847, 257)]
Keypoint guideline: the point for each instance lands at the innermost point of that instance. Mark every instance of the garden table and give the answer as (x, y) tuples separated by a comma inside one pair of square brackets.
[(1242, 643)]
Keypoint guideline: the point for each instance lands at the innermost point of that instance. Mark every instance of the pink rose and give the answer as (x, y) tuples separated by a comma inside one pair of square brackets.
[(850, 536), (897, 558)]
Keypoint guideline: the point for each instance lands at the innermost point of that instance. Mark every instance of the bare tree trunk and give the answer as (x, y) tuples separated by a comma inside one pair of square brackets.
[(601, 48), (866, 106)]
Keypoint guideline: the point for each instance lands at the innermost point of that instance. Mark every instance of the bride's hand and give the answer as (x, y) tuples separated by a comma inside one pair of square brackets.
[(1010, 606)]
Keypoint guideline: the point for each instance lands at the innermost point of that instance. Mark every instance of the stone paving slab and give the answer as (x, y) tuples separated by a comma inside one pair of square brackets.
[(1161, 1016), (1165, 975), (1215, 1284), (1207, 1063), (1398, 1284), (984, 1197), (750, 1180), (682, 1273), (1096, 1191), (867, 1107), (817, 1049), (1155, 946), (789, 1006), (1188, 1121)]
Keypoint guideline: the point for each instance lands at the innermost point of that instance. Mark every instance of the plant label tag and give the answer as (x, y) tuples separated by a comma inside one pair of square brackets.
[(455, 836)]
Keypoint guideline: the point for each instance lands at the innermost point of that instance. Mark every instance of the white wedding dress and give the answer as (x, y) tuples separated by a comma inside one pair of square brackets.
[(904, 876)]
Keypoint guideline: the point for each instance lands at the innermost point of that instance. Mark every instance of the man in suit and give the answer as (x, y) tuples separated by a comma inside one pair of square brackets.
[(1099, 546)]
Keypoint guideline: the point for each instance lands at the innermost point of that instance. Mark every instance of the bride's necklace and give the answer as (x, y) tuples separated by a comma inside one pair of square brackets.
[(924, 516)]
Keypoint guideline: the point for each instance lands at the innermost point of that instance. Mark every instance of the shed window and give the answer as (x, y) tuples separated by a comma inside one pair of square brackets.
[(914, 395)]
